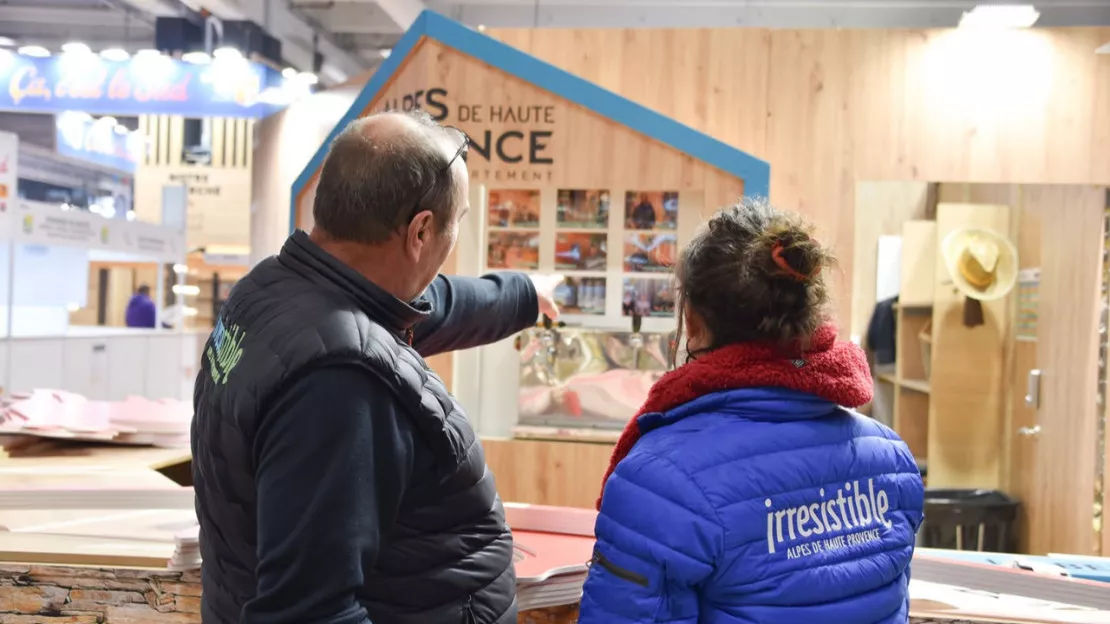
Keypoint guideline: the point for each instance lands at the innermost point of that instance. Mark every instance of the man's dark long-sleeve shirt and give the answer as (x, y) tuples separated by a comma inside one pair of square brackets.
[(335, 457)]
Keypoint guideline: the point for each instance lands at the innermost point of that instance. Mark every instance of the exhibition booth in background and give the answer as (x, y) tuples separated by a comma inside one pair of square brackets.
[(888, 140), (155, 138), (596, 154)]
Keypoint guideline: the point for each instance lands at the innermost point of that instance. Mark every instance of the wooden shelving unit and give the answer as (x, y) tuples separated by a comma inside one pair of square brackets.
[(913, 314)]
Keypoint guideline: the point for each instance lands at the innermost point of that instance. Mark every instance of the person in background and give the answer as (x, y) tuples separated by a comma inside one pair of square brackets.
[(141, 311), (337, 479), (747, 490), (643, 215)]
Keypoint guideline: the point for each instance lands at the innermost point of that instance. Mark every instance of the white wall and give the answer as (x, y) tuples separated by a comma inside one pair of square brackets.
[(283, 146), (47, 280)]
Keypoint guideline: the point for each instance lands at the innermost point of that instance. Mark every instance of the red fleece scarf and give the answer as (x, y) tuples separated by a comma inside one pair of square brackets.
[(835, 371)]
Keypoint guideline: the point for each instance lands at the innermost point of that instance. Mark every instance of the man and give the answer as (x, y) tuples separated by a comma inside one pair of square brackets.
[(337, 479), (140, 311)]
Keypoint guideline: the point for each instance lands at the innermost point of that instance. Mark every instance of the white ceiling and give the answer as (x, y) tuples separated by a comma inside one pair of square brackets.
[(351, 34)]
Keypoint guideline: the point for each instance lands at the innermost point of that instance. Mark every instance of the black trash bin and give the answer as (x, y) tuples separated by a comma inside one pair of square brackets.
[(980, 520)]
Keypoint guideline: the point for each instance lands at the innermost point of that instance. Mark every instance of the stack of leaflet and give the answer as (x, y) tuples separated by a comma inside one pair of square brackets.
[(186, 553), (552, 548), (1005, 588), (65, 415)]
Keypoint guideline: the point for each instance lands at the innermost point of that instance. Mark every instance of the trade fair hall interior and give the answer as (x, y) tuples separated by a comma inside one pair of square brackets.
[(954, 157)]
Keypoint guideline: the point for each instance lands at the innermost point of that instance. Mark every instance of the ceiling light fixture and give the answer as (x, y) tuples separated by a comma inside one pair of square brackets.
[(114, 54), (76, 48), (307, 78), (1000, 16), (288, 73), (36, 51), (227, 52), (147, 53), (7, 42), (1103, 49), (385, 53), (196, 58)]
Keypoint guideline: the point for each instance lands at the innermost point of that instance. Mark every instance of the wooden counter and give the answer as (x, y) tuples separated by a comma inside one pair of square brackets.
[(546, 472)]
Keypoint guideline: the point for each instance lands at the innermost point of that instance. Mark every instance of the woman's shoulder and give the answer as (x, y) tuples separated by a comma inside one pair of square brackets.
[(703, 441)]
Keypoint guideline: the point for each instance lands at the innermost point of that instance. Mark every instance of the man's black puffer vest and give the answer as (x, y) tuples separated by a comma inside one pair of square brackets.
[(448, 558)]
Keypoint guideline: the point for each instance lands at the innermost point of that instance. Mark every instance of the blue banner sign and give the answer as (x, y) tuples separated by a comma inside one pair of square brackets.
[(144, 85), (100, 141)]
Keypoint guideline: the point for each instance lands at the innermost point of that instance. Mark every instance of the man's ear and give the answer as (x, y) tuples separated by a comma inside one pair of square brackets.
[(419, 231)]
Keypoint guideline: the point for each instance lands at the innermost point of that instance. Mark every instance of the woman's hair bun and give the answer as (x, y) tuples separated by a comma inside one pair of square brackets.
[(755, 273), (792, 252)]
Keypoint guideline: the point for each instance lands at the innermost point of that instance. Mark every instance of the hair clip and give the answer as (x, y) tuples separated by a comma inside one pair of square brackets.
[(781, 263)]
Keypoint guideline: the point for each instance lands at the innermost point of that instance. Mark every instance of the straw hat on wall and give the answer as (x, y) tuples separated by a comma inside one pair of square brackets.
[(982, 263)]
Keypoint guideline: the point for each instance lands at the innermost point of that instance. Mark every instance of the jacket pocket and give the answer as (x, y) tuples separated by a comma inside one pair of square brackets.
[(619, 572)]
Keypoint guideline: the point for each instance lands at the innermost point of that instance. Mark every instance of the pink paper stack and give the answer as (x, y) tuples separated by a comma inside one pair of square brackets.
[(66, 415), (552, 549)]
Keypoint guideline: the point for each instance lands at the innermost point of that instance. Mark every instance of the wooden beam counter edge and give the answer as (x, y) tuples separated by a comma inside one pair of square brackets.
[(548, 472)]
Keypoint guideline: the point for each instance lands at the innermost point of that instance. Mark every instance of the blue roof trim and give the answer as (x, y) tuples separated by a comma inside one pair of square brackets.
[(755, 172)]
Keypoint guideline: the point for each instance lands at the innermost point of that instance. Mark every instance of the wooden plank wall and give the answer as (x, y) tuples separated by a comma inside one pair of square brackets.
[(830, 107)]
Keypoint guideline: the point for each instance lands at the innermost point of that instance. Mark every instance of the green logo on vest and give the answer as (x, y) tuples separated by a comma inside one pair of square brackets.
[(223, 350)]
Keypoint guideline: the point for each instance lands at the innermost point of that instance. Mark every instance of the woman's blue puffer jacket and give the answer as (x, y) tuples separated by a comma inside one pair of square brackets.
[(757, 505)]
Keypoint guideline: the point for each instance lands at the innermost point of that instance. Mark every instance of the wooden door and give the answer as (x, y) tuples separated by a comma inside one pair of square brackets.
[(1054, 448)]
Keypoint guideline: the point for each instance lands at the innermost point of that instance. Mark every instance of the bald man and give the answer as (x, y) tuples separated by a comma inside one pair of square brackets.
[(337, 480)]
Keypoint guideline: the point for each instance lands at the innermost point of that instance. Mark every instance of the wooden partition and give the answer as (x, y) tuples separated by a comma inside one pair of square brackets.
[(219, 192), (828, 108), (969, 419)]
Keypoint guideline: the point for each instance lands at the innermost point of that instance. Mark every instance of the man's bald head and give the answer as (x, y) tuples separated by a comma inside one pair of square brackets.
[(381, 171)]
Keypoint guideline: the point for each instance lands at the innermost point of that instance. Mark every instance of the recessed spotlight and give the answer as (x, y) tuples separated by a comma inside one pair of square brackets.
[(385, 53), (288, 73), (36, 51), (1000, 16), (196, 58), (7, 42), (481, 28), (148, 53), (76, 48), (114, 54)]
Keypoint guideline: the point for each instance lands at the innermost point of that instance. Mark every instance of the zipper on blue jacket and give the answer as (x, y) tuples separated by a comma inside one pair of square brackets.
[(619, 572)]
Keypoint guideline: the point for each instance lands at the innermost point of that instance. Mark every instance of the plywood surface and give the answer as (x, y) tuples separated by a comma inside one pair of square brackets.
[(827, 108), (966, 412), (1067, 353), (548, 473)]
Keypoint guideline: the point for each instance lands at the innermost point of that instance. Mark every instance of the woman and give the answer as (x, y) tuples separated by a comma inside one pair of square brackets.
[(746, 490)]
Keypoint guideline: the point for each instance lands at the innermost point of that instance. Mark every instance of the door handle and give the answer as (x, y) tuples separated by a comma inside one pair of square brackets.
[(1030, 432), (1033, 389)]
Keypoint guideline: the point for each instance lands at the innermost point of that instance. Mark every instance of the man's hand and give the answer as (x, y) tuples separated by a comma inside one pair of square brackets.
[(545, 293)]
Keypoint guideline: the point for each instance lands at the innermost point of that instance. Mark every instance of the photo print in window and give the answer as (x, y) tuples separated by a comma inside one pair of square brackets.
[(648, 297), (514, 250), (577, 209), (514, 209), (650, 253), (581, 251), (651, 210), (581, 295)]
